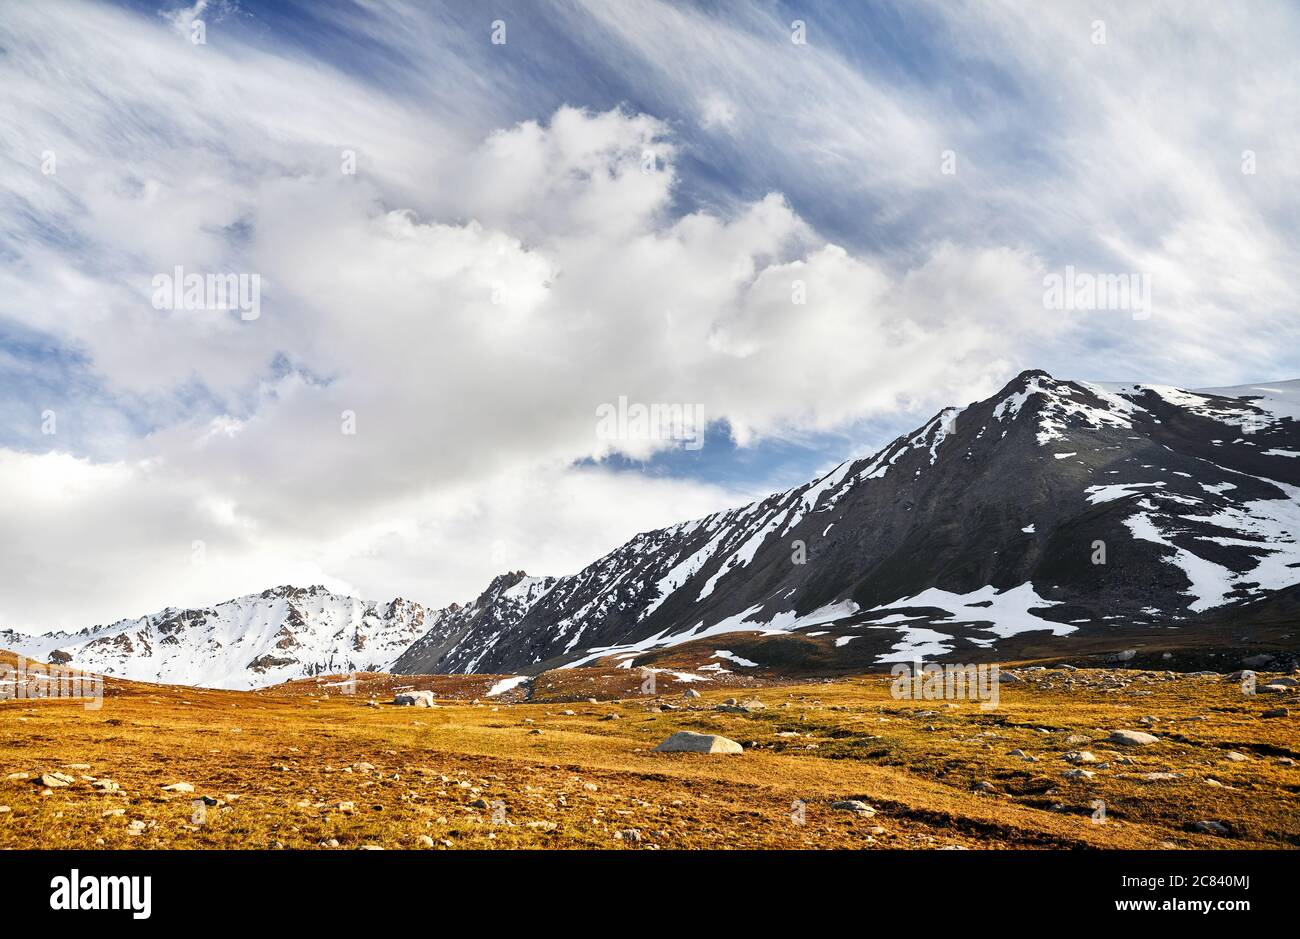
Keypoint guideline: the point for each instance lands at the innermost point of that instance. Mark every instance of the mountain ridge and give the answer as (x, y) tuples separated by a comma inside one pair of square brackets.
[(983, 523)]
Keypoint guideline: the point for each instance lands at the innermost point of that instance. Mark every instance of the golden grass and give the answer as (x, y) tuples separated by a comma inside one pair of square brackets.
[(280, 761)]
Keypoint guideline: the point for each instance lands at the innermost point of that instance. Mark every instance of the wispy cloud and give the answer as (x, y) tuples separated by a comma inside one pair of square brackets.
[(468, 247)]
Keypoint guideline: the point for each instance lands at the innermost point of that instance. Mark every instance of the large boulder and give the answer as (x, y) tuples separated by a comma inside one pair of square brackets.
[(1131, 738), (684, 741), (419, 699)]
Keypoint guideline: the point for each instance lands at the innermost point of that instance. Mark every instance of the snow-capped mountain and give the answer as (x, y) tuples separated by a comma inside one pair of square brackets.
[(1051, 509), (1053, 506), (249, 642)]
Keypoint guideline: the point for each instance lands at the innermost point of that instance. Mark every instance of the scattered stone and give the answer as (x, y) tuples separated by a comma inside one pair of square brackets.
[(1257, 661), (690, 693), (1210, 827), (1080, 756), (344, 807), (55, 780), (178, 787), (985, 786), (1079, 774), (684, 741), (1075, 740), (105, 785), (542, 826), (1132, 738), (1275, 712), (628, 834), (419, 699), (1236, 757), (1160, 777), (856, 806), (425, 841)]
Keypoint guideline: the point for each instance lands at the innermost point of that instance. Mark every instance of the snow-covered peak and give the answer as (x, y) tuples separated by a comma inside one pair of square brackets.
[(248, 642)]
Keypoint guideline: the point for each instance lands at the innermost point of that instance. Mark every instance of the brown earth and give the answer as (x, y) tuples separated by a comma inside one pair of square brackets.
[(280, 766)]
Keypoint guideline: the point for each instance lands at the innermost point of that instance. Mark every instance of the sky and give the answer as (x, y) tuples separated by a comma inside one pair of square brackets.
[(470, 229)]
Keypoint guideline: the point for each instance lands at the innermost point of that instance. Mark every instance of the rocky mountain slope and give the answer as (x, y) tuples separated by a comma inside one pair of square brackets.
[(1052, 509), (1052, 506)]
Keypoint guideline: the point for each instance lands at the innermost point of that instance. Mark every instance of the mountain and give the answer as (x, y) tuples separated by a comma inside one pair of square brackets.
[(249, 642), (1052, 512), (1053, 507)]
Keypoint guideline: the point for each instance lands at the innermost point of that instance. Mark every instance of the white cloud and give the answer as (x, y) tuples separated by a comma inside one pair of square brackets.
[(472, 294)]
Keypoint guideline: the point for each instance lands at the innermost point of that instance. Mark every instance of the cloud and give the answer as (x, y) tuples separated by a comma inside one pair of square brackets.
[(439, 327)]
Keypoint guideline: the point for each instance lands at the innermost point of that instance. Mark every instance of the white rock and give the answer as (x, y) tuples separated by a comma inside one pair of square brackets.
[(684, 741), (1132, 738), (419, 699)]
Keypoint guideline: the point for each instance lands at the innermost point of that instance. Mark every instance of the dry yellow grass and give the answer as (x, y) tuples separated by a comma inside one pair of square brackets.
[(279, 764)]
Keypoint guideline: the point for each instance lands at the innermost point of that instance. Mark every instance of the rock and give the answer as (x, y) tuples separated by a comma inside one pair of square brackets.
[(1128, 655), (1275, 712), (425, 841), (18, 776), (542, 826), (1079, 774), (985, 786), (1080, 756), (628, 834), (1284, 761), (1075, 740), (1132, 738), (1285, 682), (1160, 777), (1236, 757), (1273, 688), (1008, 678), (105, 785), (612, 717), (690, 693), (419, 699), (684, 741), (1210, 827), (4, 809), (856, 806), (344, 807), (1257, 661), (178, 787), (55, 780)]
